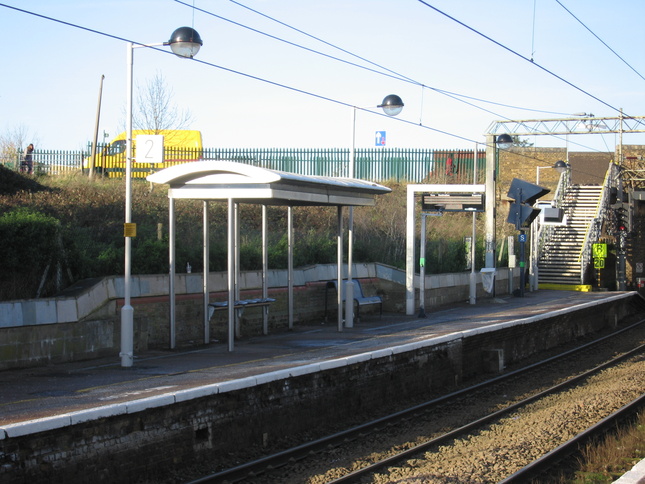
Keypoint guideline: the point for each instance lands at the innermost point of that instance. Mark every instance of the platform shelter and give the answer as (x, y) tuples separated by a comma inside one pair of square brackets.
[(236, 183)]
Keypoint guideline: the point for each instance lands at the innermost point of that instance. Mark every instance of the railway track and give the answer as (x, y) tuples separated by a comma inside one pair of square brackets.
[(550, 462), (544, 379)]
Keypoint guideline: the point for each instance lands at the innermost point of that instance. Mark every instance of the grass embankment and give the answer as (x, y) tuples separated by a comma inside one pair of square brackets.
[(84, 236), (606, 461)]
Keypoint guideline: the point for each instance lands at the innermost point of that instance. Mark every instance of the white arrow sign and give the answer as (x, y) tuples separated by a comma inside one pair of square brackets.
[(380, 138)]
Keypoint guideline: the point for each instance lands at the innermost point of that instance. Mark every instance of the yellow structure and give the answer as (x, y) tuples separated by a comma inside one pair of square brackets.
[(180, 146)]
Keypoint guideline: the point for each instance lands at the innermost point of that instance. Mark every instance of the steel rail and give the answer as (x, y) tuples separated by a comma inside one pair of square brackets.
[(552, 458), (297, 453), (351, 477)]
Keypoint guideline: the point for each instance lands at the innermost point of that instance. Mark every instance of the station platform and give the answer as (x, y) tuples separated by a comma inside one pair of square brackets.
[(33, 397)]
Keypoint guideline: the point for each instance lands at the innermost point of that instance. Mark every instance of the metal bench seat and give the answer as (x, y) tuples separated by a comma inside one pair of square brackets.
[(240, 305), (359, 298)]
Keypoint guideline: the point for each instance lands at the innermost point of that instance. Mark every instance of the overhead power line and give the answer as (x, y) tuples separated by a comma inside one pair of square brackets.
[(388, 72), (508, 49), (602, 41), (397, 75), (250, 76), (384, 70)]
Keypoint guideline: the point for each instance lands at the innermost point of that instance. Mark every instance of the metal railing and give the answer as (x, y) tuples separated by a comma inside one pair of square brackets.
[(375, 164), (595, 227), (546, 231), (49, 162)]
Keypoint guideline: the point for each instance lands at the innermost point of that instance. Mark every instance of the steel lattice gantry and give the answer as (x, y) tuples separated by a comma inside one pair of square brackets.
[(576, 125)]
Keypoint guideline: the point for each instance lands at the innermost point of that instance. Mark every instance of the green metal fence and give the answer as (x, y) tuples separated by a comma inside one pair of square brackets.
[(49, 162), (374, 164)]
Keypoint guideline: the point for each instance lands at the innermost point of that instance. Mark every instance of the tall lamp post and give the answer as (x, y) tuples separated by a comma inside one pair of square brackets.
[(184, 42), (392, 105), (560, 166), (493, 143)]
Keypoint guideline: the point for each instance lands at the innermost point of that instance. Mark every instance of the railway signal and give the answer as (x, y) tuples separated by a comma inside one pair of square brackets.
[(522, 213), (524, 195)]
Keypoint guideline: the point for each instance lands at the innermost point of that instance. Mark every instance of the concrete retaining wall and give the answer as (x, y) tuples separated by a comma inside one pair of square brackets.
[(85, 322)]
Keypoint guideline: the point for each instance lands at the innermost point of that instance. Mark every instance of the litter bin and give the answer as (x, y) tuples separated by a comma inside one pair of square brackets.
[(488, 280)]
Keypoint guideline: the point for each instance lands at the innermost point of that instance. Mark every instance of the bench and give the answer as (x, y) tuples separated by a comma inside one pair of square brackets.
[(240, 306), (359, 298)]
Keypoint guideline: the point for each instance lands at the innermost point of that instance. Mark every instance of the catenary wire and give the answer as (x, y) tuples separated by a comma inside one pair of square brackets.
[(508, 49), (599, 39), (250, 76), (390, 73), (397, 75), (385, 71), (400, 76)]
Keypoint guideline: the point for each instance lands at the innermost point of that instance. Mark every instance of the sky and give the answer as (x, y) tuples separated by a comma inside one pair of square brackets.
[(245, 89)]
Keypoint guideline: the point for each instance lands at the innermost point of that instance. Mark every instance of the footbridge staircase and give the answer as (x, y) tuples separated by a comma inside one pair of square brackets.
[(564, 250)]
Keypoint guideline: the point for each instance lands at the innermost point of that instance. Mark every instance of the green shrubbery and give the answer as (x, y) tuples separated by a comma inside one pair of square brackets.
[(33, 244), (74, 226)]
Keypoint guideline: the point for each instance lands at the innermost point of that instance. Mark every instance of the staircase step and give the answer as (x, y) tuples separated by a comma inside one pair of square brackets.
[(559, 262)]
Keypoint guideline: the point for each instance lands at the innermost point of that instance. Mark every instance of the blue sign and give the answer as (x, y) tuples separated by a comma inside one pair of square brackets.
[(380, 138), (522, 237)]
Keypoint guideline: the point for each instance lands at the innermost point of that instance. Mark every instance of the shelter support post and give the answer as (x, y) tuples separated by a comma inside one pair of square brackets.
[(171, 256), (349, 286), (206, 260), (265, 268), (236, 264), (290, 263), (409, 252), (422, 269), (339, 285), (231, 274)]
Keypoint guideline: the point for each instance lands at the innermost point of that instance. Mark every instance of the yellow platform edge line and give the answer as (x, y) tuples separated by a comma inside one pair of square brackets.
[(567, 287)]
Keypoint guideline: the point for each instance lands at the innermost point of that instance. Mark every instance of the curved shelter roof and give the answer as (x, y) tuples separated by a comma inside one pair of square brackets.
[(222, 180)]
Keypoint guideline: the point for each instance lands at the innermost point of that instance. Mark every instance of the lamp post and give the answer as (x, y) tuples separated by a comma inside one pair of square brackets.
[(493, 142), (184, 42), (560, 166), (392, 105)]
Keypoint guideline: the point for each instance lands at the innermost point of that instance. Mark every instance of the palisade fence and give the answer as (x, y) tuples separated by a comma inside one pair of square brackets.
[(374, 164), (50, 162)]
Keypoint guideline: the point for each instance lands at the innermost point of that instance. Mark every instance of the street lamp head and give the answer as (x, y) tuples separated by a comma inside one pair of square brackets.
[(561, 166), (504, 141), (185, 42), (392, 105)]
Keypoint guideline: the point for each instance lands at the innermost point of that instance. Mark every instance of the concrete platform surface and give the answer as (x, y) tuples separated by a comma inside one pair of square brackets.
[(90, 389)]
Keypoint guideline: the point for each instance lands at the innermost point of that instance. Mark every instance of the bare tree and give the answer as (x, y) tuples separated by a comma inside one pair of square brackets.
[(12, 143), (155, 110)]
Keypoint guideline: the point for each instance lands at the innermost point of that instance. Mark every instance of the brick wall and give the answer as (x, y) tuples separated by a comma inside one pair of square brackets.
[(522, 163)]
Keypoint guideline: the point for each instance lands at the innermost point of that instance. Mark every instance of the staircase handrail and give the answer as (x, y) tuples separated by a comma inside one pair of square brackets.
[(595, 227), (561, 189), (545, 231)]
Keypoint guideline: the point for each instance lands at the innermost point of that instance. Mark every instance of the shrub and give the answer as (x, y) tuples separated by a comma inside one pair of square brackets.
[(33, 245), (88, 242)]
